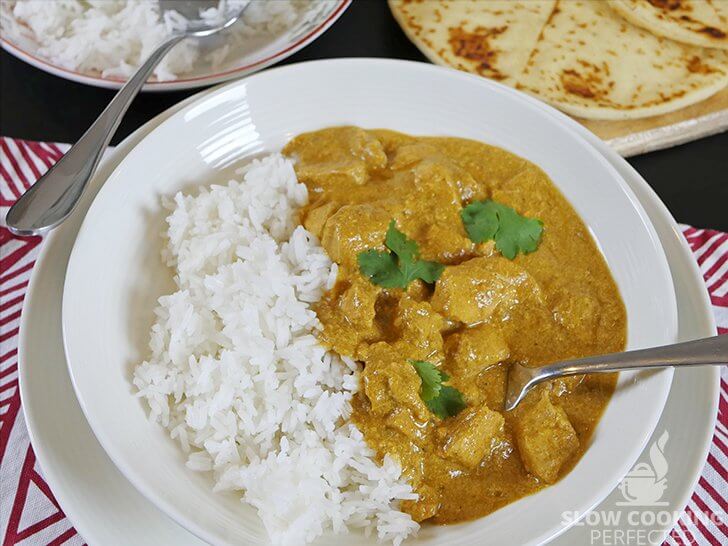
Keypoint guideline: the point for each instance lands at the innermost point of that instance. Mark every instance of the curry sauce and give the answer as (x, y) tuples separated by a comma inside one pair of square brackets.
[(483, 313)]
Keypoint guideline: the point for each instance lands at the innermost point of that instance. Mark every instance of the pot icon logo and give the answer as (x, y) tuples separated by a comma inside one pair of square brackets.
[(646, 482)]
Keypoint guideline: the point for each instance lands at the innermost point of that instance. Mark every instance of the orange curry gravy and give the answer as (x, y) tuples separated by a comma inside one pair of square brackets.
[(483, 313)]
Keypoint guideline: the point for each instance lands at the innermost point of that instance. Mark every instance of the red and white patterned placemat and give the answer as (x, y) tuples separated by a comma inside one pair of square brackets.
[(29, 514)]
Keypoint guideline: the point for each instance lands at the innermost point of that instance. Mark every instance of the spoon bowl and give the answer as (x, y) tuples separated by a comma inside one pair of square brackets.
[(203, 17), (711, 351)]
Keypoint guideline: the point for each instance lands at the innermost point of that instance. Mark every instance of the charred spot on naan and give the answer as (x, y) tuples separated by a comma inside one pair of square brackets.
[(712, 31), (589, 81), (697, 66), (475, 46), (669, 4)]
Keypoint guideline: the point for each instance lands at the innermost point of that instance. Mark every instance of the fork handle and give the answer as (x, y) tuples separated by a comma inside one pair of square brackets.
[(711, 351), (54, 196)]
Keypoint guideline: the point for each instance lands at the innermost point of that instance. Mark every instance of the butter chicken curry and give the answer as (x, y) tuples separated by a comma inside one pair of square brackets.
[(455, 259)]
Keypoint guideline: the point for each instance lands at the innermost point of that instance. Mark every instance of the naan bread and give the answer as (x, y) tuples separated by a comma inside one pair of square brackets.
[(579, 56), (591, 63), (493, 39), (697, 22)]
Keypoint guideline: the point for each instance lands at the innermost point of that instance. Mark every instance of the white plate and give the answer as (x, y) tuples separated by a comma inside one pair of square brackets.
[(255, 55), (108, 511), (106, 308)]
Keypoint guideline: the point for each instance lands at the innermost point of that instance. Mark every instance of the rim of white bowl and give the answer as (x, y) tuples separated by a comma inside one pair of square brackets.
[(649, 198), (656, 406)]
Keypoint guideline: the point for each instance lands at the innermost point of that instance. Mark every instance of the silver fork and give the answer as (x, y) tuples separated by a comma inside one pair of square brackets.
[(712, 351), (54, 196)]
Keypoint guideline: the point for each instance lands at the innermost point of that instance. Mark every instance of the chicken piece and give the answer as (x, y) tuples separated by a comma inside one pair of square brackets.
[(354, 229), (391, 382), (432, 212), (347, 170), (326, 166), (407, 155), (445, 241), (358, 304), (401, 419), (458, 178), (316, 218), (349, 312), (418, 290), (367, 147), (474, 349), (472, 291), (419, 327), (544, 436), (435, 178), (467, 438)]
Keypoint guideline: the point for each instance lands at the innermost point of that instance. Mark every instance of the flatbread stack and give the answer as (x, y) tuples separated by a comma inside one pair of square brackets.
[(596, 59), (702, 23)]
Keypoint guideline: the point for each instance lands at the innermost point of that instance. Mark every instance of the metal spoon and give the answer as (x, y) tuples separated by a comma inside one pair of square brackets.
[(54, 196), (712, 351)]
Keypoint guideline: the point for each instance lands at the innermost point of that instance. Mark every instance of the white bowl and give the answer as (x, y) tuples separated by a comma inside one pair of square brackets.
[(254, 55), (115, 275)]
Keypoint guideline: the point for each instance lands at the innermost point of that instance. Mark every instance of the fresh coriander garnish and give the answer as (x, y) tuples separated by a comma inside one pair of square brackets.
[(400, 266), (513, 233), (442, 400)]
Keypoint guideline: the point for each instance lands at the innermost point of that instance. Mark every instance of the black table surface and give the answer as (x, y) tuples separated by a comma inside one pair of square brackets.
[(692, 179)]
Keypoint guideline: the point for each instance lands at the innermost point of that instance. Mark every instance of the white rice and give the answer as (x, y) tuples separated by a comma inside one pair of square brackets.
[(236, 374), (113, 37)]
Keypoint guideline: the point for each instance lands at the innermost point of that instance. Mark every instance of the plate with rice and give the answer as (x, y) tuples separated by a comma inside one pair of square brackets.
[(101, 42), (195, 350)]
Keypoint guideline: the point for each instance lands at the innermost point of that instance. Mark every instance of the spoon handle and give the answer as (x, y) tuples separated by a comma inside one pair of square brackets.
[(701, 352), (54, 196)]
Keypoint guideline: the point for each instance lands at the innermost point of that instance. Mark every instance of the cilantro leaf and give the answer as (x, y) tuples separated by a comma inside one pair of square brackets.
[(431, 378), (400, 266), (442, 400), (517, 234), (421, 269), (447, 404), (397, 242), (381, 268), (480, 220), (513, 233)]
